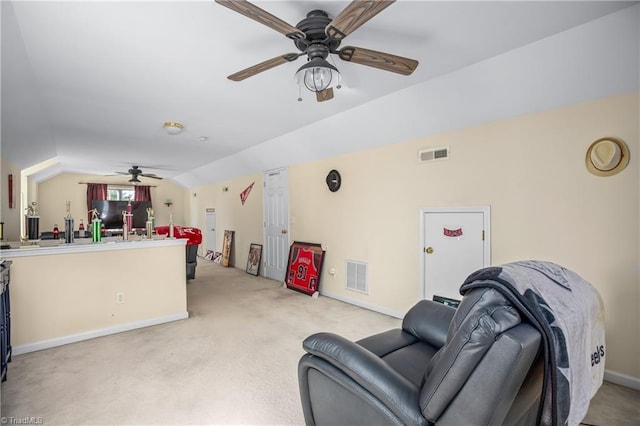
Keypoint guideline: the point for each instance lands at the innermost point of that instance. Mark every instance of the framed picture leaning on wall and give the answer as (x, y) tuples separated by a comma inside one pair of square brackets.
[(304, 267), (253, 262), (226, 247)]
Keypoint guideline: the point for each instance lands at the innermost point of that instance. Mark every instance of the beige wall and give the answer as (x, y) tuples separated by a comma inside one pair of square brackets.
[(55, 192), (10, 217), (530, 170), (59, 295), (245, 220)]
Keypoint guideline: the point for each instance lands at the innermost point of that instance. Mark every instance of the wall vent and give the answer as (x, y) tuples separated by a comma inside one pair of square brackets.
[(357, 276), (433, 154)]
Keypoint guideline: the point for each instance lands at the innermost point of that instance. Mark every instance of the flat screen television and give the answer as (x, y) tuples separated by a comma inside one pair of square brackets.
[(110, 212)]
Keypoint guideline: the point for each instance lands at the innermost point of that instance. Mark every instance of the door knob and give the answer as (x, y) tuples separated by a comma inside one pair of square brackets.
[(429, 250), (284, 231)]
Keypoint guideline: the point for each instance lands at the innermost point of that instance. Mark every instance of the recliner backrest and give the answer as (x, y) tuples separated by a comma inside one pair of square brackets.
[(429, 322), (480, 322)]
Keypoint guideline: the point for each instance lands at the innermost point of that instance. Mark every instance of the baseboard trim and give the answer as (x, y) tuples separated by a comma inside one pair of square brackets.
[(622, 379), (362, 304), (73, 338)]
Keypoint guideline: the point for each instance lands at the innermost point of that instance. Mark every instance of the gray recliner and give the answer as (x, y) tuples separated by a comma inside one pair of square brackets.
[(479, 364)]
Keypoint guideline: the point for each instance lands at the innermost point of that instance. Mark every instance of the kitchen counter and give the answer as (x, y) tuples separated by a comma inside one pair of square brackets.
[(82, 245)]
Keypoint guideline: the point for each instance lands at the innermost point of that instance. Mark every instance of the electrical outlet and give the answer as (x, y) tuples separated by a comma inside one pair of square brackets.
[(120, 297)]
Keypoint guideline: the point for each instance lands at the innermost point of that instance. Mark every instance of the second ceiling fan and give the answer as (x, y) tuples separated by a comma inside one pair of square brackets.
[(135, 172), (317, 36)]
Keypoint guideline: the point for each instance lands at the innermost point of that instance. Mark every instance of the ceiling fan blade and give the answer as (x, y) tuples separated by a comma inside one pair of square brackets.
[(324, 95), (263, 66), (381, 60), (152, 176), (355, 14), (254, 12)]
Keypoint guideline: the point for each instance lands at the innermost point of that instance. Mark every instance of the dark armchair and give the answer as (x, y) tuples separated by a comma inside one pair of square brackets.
[(479, 364)]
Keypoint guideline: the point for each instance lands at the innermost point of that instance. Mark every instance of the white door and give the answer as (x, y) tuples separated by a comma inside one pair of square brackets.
[(455, 244), (210, 233), (276, 223)]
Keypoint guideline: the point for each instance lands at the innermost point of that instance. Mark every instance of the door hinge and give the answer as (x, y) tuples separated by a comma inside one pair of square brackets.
[(483, 235)]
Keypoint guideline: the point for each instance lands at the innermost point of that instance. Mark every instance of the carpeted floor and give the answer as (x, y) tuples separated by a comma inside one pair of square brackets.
[(234, 361)]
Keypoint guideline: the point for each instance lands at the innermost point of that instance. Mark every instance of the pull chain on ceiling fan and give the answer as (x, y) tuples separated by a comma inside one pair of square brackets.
[(317, 36)]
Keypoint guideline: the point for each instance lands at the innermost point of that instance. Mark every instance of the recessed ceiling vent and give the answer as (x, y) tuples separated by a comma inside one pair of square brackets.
[(433, 154)]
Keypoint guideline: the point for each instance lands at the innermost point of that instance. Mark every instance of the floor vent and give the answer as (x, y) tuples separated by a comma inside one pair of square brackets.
[(433, 154), (357, 279)]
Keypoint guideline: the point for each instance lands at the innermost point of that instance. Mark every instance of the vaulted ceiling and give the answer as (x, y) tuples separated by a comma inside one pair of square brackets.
[(89, 83)]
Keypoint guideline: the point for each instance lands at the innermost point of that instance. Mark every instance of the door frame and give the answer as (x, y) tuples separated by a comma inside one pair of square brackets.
[(486, 215)]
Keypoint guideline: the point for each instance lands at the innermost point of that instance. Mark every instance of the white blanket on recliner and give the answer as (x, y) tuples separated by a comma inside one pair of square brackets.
[(570, 314)]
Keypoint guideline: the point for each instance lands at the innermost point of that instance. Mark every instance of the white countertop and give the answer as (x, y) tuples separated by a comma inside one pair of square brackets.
[(49, 247)]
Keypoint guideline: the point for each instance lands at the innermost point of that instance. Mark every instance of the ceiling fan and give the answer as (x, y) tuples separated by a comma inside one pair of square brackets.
[(317, 36), (135, 171)]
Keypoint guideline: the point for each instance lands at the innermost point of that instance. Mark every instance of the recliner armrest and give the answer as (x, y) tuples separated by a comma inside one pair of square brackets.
[(429, 321), (370, 372)]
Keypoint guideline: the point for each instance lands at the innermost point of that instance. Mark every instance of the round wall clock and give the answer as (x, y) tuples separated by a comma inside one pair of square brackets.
[(333, 180)]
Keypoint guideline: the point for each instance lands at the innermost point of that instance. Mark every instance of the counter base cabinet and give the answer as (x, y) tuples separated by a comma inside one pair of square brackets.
[(64, 294), (5, 321)]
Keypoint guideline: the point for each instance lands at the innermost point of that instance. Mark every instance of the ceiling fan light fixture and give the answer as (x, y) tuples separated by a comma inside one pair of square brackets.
[(173, 127), (318, 75)]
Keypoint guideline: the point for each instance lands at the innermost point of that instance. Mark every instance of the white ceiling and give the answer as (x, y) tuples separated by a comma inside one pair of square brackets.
[(89, 83)]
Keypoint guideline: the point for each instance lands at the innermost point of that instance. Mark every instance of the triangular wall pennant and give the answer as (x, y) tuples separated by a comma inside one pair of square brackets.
[(245, 194)]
